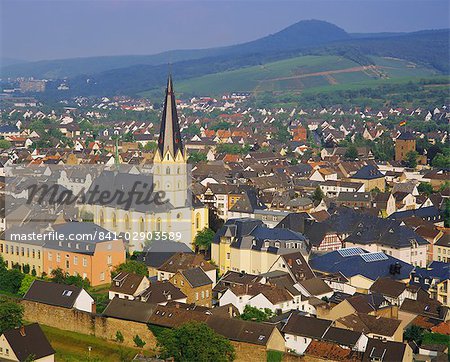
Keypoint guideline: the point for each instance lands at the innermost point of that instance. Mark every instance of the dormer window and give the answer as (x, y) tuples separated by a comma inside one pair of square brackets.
[(266, 244)]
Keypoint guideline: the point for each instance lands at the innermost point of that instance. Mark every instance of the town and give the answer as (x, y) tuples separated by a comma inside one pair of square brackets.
[(290, 233)]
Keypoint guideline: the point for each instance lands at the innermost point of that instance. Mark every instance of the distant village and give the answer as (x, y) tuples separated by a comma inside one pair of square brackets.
[(321, 234)]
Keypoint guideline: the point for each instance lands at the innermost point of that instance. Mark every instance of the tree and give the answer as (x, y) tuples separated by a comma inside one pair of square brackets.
[(351, 153), (204, 238), (447, 213), (195, 341), (196, 157), (4, 144), (414, 333), (151, 146), (318, 194), (119, 337), (11, 314), (256, 314), (441, 161), (425, 188), (131, 266), (26, 284), (411, 159), (138, 341)]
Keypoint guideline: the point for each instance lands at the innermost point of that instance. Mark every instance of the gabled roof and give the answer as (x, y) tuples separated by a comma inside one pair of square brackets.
[(28, 341), (384, 350), (366, 323), (368, 172), (388, 287), (130, 310), (196, 277), (161, 292), (242, 331), (126, 283), (300, 325), (60, 295)]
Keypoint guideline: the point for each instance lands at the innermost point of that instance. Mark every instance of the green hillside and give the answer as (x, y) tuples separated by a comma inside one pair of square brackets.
[(301, 73)]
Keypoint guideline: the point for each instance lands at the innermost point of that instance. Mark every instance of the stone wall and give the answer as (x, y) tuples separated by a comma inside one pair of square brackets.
[(87, 323), (246, 352)]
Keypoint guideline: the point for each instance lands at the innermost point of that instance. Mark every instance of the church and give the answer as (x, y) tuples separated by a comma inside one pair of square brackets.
[(179, 218)]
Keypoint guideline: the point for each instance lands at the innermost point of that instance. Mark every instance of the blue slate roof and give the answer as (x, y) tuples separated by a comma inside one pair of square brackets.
[(249, 233), (368, 172), (8, 129), (429, 213), (437, 270), (355, 264)]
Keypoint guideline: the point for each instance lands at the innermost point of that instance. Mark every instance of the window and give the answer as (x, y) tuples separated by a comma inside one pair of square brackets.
[(102, 276), (75, 260), (58, 258), (196, 295), (127, 222), (109, 260), (167, 170), (114, 220), (67, 293), (50, 256), (84, 262), (197, 221), (203, 294), (228, 256)]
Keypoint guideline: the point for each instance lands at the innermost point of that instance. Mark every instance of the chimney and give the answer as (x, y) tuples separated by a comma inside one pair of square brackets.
[(177, 306), (22, 331), (290, 262)]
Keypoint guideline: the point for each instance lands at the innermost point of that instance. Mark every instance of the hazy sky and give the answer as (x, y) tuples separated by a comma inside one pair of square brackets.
[(38, 29)]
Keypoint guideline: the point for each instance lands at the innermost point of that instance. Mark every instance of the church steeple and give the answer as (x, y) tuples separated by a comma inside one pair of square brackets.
[(169, 135)]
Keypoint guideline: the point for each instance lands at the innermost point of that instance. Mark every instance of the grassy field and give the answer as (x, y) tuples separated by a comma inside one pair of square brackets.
[(73, 347), (302, 74)]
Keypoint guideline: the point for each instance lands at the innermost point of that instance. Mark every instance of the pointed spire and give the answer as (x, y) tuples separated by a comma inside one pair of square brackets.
[(169, 135)]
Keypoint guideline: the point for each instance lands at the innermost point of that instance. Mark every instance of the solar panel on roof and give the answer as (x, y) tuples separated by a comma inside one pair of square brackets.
[(370, 257), (350, 252)]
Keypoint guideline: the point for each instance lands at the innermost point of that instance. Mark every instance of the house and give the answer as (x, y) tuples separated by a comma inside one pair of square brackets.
[(435, 280), (391, 238), (295, 265), (334, 188), (371, 177), (26, 343), (128, 286), (261, 296), (300, 331), (441, 249), (373, 304), (354, 200), (93, 258), (195, 284), (232, 278), (360, 267), (250, 246), (60, 295), (184, 261), (393, 290)]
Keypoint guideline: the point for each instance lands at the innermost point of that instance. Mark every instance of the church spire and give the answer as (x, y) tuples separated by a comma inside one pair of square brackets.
[(169, 135)]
